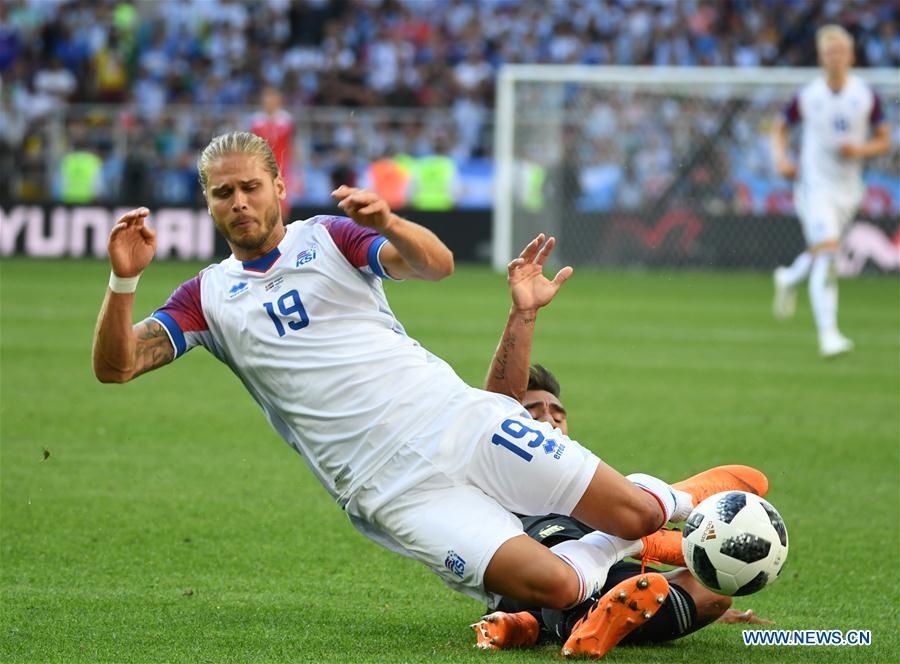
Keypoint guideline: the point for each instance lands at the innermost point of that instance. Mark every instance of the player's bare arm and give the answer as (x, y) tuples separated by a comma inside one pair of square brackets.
[(879, 144), (123, 351), (530, 290), (735, 616), (412, 251), (780, 139)]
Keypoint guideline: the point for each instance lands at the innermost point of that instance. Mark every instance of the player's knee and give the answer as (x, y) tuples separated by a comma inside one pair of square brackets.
[(558, 589), (652, 518), (641, 518), (825, 247), (633, 524)]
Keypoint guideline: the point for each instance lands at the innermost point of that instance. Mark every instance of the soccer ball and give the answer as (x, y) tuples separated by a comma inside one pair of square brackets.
[(735, 543)]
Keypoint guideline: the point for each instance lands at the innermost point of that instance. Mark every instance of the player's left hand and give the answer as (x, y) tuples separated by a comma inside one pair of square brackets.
[(365, 207), (747, 617), (851, 151)]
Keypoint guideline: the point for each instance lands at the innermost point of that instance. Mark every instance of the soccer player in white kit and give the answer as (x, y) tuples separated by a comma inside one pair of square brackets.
[(421, 462), (838, 112)]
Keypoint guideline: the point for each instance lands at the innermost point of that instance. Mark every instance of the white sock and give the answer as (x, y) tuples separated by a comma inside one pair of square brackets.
[(592, 556), (676, 505), (684, 505), (798, 270), (823, 292)]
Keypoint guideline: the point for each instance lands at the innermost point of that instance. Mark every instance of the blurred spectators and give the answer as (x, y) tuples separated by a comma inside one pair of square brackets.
[(210, 59)]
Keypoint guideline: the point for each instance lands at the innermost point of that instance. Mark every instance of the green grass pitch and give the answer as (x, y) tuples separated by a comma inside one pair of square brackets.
[(169, 523)]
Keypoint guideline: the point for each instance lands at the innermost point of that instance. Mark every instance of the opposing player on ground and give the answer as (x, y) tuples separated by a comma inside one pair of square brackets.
[(838, 112), (421, 462), (687, 607), (607, 618)]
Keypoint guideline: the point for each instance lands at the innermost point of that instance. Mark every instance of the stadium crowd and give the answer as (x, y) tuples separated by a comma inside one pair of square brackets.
[(139, 86)]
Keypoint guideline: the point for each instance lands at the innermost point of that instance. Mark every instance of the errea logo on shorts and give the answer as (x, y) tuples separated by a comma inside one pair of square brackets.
[(455, 563)]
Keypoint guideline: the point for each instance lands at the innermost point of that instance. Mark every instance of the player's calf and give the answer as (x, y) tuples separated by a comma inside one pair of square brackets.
[(530, 573), (630, 507)]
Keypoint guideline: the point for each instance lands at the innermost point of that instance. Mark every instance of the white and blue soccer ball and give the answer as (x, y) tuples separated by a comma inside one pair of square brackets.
[(735, 543)]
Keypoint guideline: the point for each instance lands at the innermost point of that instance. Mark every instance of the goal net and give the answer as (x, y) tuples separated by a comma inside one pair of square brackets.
[(668, 167)]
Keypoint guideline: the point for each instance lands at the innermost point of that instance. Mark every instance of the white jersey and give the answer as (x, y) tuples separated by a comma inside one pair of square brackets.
[(308, 330), (831, 119)]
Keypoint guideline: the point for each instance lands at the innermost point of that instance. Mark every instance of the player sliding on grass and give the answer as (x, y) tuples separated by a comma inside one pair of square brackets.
[(422, 463), (687, 607)]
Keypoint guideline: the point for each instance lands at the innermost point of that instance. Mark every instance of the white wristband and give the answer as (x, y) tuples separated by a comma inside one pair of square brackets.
[(122, 284)]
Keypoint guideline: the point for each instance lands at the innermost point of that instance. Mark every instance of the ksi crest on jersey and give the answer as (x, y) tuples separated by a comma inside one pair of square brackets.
[(307, 255)]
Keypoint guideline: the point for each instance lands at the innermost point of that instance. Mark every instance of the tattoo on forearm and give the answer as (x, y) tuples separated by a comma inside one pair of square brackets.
[(507, 345), (153, 347), (150, 329)]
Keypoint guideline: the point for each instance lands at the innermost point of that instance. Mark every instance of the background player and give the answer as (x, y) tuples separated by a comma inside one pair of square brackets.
[(688, 606), (838, 111), (276, 126), (422, 463)]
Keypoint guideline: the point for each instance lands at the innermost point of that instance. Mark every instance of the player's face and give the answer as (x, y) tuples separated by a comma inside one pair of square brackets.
[(244, 201), (271, 100), (545, 407), (836, 56)]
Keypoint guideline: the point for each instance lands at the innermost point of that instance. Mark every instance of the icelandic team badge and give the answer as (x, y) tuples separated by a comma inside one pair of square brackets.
[(307, 255), (455, 563)]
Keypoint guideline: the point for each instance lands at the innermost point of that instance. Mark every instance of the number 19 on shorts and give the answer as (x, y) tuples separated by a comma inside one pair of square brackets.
[(520, 438)]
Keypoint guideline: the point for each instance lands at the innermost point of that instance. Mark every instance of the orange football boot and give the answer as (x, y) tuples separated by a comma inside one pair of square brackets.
[(501, 630), (663, 546), (620, 611), (724, 478)]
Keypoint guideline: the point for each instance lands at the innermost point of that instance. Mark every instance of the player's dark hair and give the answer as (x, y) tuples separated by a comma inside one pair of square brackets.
[(236, 142), (539, 378)]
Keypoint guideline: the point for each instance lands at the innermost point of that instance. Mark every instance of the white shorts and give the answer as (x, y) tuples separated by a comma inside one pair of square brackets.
[(823, 217), (454, 518)]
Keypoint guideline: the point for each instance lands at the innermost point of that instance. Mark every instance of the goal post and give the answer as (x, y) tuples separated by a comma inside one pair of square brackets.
[(659, 166)]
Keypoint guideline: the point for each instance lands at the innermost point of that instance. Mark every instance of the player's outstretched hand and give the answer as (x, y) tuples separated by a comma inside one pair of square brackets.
[(787, 168), (131, 244), (365, 207), (747, 617), (529, 288)]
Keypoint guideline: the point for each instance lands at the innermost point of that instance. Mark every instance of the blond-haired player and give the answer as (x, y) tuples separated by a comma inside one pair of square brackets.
[(842, 125), (421, 462)]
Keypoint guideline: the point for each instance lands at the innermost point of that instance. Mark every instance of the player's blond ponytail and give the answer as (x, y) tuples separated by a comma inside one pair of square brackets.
[(236, 142)]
